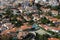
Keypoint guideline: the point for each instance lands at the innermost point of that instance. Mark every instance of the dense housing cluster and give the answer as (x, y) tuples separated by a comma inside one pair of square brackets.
[(29, 19)]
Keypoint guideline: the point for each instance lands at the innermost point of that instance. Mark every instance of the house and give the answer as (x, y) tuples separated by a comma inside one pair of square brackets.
[(53, 39), (2, 11), (54, 12), (2, 7), (8, 25), (15, 11), (25, 27), (44, 9), (54, 29), (41, 2), (6, 32), (13, 29), (53, 2), (58, 20), (49, 2), (22, 34), (44, 26), (36, 1), (21, 9), (51, 19)]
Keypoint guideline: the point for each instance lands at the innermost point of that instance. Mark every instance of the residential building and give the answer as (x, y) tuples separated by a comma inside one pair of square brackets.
[(53, 39), (54, 12), (45, 10), (53, 2)]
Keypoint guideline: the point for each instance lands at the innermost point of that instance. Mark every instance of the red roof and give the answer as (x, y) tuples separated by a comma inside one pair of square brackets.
[(25, 27), (47, 27), (56, 28), (53, 39)]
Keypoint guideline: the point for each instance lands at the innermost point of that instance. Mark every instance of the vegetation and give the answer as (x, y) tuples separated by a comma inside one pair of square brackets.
[(8, 11), (56, 36), (49, 14), (58, 16), (16, 22), (52, 24), (54, 7), (44, 20), (38, 6), (42, 37)]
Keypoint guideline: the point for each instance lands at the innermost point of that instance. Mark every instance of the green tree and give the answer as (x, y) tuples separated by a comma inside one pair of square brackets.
[(44, 20), (58, 16), (49, 14), (8, 11), (38, 37), (55, 7), (42, 37)]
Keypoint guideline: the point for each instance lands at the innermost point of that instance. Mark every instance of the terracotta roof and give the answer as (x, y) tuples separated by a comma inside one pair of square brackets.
[(56, 28), (5, 32), (51, 18), (13, 30), (47, 27), (8, 31), (53, 39), (54, 19), (25, 27)]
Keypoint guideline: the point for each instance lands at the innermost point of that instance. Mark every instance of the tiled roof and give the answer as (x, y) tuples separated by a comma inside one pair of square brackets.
[(51, 18), (47, 27), (25, 27), (56, 28), (53, 39), (8, 31)]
